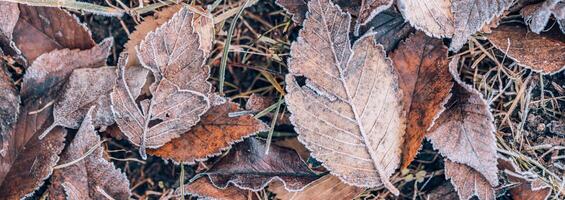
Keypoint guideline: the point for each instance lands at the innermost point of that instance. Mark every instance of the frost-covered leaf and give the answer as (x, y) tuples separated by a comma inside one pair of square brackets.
[(86, 87), (248, 166), (41, 29), (298, 8), (422, 65), (468, 182), (537, 15), (464, 132), (526, 185), (388, 28), (370, 8), (543, 53), (327, 187), (215, 132), (89, 176), (9, 108), (179, 94), (349, 112), (203, 188), (456, 19)]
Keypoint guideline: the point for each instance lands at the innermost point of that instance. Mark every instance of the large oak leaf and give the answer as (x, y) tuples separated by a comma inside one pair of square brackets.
[(349, 112)]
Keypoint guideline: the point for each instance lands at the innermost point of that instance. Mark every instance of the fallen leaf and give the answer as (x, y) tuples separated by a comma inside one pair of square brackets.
[(203, 188), (179, 93), (298, 8), (422, 65), (464, 132), (258, 103), (528, 186), (85, 173), (42, 29), (339, 113), (388, 28), (543, 53), (248, 166), (370, 8), (327, 187), (455, 19), (537, 15), (468, 182), (9, 108), (444, 191), (215, 132), (293, 143)]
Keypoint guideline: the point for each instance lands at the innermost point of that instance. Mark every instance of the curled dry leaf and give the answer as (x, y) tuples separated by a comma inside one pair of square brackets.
[(248, 166), (456, 19), (327, 187), (537, 15), (202, 187), (464, 132), (215, 132), (468, 182), (388, 28), (179, 93), (85, 174), (543, 53), (9, 108), (423, 69), (340, 114), (38, 30), (529, 186)]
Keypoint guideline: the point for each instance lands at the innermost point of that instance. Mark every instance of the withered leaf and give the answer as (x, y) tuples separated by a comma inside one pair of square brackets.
[(468, 182), (529, 186), (215, 132), (543, 53), (42, 29), (340, 113), (86, 174), (327, 187), (537, 15), (248, 166), (86, 87), (423, 69), (202, 187), (456, 19), (293, 143), (258, 103), (9, 108), (179, 93), (444, 191), (388, 28), (370, 8), (298, 8), (464, 132)]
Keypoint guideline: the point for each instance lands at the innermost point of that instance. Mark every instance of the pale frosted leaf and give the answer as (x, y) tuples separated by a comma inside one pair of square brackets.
[(434, 17), (543, 53), (340, 113), (91, 174), (537, 15), (8, 19), (9, 108), (327, 187), (468, 182), (247, 166), (464, 132), (136, 76)]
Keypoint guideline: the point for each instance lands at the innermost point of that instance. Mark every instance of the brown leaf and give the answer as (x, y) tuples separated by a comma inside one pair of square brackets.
[(370, 8), (388, 28), (537, 15), (468, 182), (464, 132), (202, 187), (85, 173), (9, 108), (258, 103), (247, 166), (215, 132), (340, 114), (298, 8), (85, 88), (445, 191), (179, 93), (42, 29), (423, 69), (456, 19), (327, 187), (529, 186), (293, 143), (542, 53)]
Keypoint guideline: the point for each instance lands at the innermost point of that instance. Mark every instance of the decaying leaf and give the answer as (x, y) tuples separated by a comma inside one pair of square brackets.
[(85, 173), (202, 187), (9, 108), (215, 132), (468, 182), (41, 29), (327, 187), (340, 114), (248, 166), (179, 93), (298, 8), (529, 186), (537, 15), (543, 53), (456, 19), (464, 132), (388, 28), (370, 8), (423, 69), (293, 143)]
